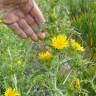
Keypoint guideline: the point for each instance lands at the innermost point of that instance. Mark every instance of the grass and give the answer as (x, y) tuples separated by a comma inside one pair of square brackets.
[(83, 17)]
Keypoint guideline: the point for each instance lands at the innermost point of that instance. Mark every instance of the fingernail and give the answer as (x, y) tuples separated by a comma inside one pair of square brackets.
[(43, 25), (35, 38), (24, 36), (41, 36)]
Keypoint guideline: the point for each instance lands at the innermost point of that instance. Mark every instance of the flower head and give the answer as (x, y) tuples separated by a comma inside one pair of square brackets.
[(11, 92), (45, 56), (77, 84), (92, 65), (1, 21), (19, 62), (75, 45), (60, 42)]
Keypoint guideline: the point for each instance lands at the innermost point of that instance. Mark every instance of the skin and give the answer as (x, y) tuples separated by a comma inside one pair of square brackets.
[(25, 21)]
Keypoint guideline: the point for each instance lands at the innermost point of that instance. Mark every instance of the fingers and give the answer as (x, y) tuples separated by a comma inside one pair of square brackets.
[(27, 29), (26, 24), (37, 14), (34, 26), (41, 35), (17, 30), (24, 28), (32, 23)]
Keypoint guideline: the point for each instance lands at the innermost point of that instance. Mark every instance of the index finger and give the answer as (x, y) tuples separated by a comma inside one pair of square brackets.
[(37, 14)]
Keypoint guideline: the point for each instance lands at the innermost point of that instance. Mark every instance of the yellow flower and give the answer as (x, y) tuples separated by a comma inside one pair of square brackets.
[(75, 45), (77, 84), (1, 21), (18, 62), (92, 65), (45, 56), (11, 92), (60, 42)]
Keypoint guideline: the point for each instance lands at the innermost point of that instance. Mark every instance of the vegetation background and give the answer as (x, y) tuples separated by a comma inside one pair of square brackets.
[(69, 73)]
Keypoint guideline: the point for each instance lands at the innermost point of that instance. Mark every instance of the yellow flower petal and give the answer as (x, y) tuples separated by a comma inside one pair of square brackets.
[(19, 62), (1, 21), (77, 84), (11, 92), (45, 56)]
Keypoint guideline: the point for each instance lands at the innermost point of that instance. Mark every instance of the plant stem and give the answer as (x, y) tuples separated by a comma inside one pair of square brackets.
[(67, 77)]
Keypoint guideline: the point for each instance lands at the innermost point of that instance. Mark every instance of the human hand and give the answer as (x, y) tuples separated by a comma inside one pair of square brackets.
[(25, 21)]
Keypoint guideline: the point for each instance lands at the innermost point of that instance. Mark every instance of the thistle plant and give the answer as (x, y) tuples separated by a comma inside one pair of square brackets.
[(53, 67)]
